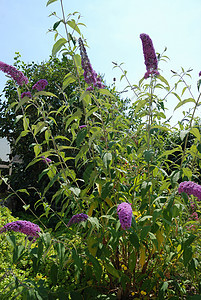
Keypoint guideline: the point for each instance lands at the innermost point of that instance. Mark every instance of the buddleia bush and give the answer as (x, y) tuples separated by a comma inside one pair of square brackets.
[(123, 197)]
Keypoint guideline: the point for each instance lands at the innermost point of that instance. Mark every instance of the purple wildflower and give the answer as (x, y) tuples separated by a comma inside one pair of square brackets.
[(46, 159), (90, 75), (18, 76), (77, 219), (151, 61), (90, 88), (26, 94), (124, 212), (40, 85), (26, 227), (190, 188), (82, 126)]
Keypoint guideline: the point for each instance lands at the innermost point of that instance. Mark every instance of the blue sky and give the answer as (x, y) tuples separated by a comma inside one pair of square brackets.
[(112, 32)]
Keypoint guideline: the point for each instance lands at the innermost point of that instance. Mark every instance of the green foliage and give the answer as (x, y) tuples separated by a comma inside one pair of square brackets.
[(124, 153)]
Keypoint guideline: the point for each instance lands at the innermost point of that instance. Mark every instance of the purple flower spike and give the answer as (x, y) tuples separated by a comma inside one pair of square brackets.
[(77, 219), (26, 94), (124, 212), (190, 188), (18, 76), (26, 227), (151, 61), (40, 85), (90, 75)]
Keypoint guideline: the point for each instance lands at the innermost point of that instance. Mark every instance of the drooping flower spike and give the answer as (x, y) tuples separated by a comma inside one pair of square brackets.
[(124, 212), (150, 59), (16, 75), (26, 227)]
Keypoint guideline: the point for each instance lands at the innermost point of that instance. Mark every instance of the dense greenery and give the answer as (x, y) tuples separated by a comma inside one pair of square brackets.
[(102, 152)]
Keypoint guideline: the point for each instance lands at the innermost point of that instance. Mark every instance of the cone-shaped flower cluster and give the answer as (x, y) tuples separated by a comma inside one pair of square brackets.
[(18, 76), (151, 61), (26, 227), (77, 219), (90, 75), (40, 85), (190, 188), (124, 212)]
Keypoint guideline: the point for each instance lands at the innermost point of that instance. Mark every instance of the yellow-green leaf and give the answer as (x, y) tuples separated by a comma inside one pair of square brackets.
[(184, 102), (57, 46), (196, 133)]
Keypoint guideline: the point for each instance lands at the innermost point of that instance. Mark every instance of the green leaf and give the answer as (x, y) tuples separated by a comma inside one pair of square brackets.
[(92, 245), (134, 240), (132, 261), (144, 232), (69, 78), (198, 84), (96, 265), (76, 191), (187, 172), (18, 251), (163, 80), (106, 189), (111, 269), (184, 102), (26, 206), (196, 133), (57, 46), (50, 1), (187, 255), (183, 133), (164, 286), (140, 105), (107, 157), (189, 240), (106, 92), (54, 273), (77, 59), (199, 148), (22, 102), (148, 155), (56, 24), (43, 93), (73, 25), (80, 137), (12, 240), (145, 187), (22, 134)]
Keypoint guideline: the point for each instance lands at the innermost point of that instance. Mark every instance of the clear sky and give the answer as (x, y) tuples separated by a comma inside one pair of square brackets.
[(112, 32)]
